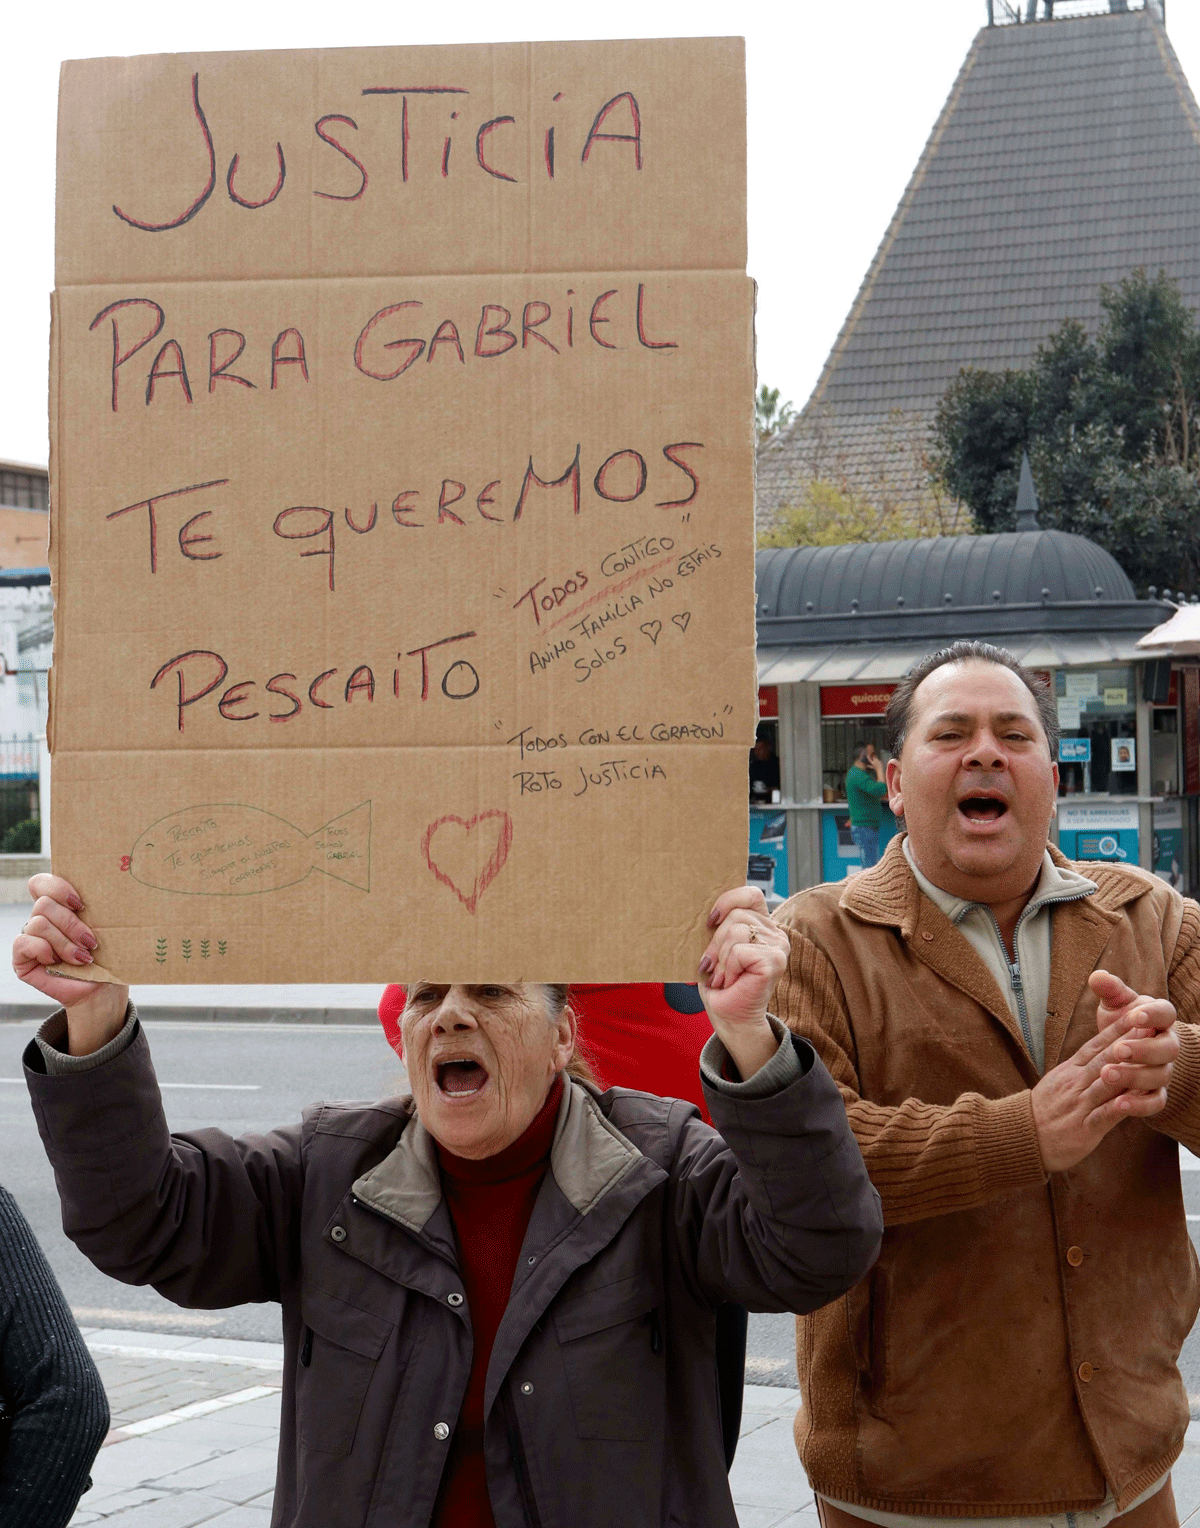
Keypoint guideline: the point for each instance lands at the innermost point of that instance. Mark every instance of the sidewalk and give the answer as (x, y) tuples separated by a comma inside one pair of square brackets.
[(195, 1423)]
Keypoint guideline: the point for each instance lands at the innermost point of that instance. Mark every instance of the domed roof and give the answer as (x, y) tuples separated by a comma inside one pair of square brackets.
[(1039, 567)]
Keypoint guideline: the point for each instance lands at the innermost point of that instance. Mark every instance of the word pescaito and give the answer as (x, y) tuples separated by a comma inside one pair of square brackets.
[(201, 672)]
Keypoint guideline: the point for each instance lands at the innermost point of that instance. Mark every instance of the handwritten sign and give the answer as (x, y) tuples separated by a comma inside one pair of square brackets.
[(402, 526)]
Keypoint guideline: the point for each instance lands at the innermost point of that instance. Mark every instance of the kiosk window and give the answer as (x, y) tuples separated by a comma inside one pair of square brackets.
[(764, 764), (1097, 752)]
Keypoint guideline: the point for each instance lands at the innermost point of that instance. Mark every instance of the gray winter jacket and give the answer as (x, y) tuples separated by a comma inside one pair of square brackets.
[(601, 1403)]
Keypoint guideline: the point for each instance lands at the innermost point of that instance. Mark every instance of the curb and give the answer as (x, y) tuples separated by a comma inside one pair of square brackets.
[(24, 1013)]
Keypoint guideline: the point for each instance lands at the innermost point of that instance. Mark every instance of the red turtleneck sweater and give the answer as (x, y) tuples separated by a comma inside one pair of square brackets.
[(490, 1203)]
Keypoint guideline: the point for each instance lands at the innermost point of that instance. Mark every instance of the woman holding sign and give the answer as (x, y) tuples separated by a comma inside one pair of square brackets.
[(498, 1293)]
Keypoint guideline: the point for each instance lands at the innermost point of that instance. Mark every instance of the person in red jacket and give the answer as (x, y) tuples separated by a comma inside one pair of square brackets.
[(643, 1035)]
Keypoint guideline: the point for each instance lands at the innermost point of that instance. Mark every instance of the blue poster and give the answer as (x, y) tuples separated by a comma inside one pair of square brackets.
[(1074, 750), (839, 853), (1098, 832), (768, 837), (1168, 844)]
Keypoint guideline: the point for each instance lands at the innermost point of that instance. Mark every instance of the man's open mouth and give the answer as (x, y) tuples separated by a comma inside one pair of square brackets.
[(983, 808), (460, 1077)]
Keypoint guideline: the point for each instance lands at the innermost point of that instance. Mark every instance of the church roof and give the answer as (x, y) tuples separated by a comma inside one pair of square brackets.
[(1066, 156)]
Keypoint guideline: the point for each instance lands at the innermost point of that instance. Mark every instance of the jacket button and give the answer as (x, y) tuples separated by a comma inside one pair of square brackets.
[(441, 1431), (453, 1299), (1085, 1372), (1074, 1256), (526, 1388), (338, 1233), (928, 938)]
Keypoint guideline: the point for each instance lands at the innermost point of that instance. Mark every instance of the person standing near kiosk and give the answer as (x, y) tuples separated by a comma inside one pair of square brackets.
[(865, 791)]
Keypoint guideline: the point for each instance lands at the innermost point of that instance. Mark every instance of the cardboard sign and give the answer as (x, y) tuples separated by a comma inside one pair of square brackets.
[(402, 510)]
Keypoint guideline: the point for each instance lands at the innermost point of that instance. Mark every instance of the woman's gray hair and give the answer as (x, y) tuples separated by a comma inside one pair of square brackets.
[(558, 998)]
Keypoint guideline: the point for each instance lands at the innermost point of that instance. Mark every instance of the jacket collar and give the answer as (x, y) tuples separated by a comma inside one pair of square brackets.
[(889, 896), (588, 1158)]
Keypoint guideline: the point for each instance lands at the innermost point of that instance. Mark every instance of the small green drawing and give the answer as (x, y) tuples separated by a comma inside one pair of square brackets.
[(204, 949), (160, 952), (187, 949), (221, 947)]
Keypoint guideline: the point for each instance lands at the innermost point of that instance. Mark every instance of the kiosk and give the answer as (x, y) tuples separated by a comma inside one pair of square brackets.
[(839, 626)]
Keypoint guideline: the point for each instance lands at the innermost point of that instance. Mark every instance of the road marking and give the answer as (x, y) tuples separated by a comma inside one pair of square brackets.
[(186, 1355), (258, 1027), (217, 1087), (207, 1087), (186, 1413), (106, 1318)]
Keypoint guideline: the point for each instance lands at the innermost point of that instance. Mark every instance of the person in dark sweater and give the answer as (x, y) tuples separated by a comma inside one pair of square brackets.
[(53, 1410)]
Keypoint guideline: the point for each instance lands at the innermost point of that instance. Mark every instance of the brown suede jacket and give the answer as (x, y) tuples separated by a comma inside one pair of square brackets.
[(1015, 1346)]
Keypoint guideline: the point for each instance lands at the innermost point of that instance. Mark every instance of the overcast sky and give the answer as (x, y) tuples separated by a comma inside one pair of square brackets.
[(842, 95)]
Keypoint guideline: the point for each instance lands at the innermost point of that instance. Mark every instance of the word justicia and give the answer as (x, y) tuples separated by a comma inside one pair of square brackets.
[(431, 121)]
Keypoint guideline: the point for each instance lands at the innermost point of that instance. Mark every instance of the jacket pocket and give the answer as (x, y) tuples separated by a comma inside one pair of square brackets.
[(606, 1336), (339, 1355)]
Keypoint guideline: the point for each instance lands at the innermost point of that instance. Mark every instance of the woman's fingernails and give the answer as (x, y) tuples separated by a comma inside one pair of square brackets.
[(1124, 1052), (714, 918), (706, 964), (74, 903), (89, 941), (82, 957)]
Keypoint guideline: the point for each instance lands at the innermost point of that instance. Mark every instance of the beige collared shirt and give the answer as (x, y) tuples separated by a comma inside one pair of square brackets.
[(1029, 986)]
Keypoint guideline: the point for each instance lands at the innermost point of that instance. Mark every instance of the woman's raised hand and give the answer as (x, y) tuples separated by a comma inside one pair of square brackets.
[(55, 935), (746, 956)]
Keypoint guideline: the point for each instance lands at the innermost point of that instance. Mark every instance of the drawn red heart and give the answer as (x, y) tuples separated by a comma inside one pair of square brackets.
[(462, 854)]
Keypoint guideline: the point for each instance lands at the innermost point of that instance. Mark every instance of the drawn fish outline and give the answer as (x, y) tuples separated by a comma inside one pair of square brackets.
[(229, 849)]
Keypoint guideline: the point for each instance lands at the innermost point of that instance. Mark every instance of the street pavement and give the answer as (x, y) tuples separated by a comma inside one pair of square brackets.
[(195, 1426), (194, 1394)]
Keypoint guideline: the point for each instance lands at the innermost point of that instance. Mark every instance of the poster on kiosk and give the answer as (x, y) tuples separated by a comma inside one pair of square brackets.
[(1098, 832)]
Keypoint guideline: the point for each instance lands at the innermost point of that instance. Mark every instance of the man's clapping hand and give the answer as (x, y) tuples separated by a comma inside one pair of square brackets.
[(1122, 1073)]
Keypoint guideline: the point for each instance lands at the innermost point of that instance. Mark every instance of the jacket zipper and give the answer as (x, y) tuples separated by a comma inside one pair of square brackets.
[(520, 1469), (1014, 965), (514, 1438)]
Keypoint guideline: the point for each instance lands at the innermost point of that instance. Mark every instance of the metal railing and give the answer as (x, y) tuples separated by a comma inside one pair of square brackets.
[(19, 757), (1003, 13)]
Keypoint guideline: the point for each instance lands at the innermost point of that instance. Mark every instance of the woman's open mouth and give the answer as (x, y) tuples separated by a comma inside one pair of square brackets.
[(461, 1077)]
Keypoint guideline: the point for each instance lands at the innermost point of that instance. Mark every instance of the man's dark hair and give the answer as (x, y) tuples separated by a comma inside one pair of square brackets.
[(899, 707), (859, 753)]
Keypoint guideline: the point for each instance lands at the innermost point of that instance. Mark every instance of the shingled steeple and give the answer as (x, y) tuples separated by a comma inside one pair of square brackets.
[(1066, 156)]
